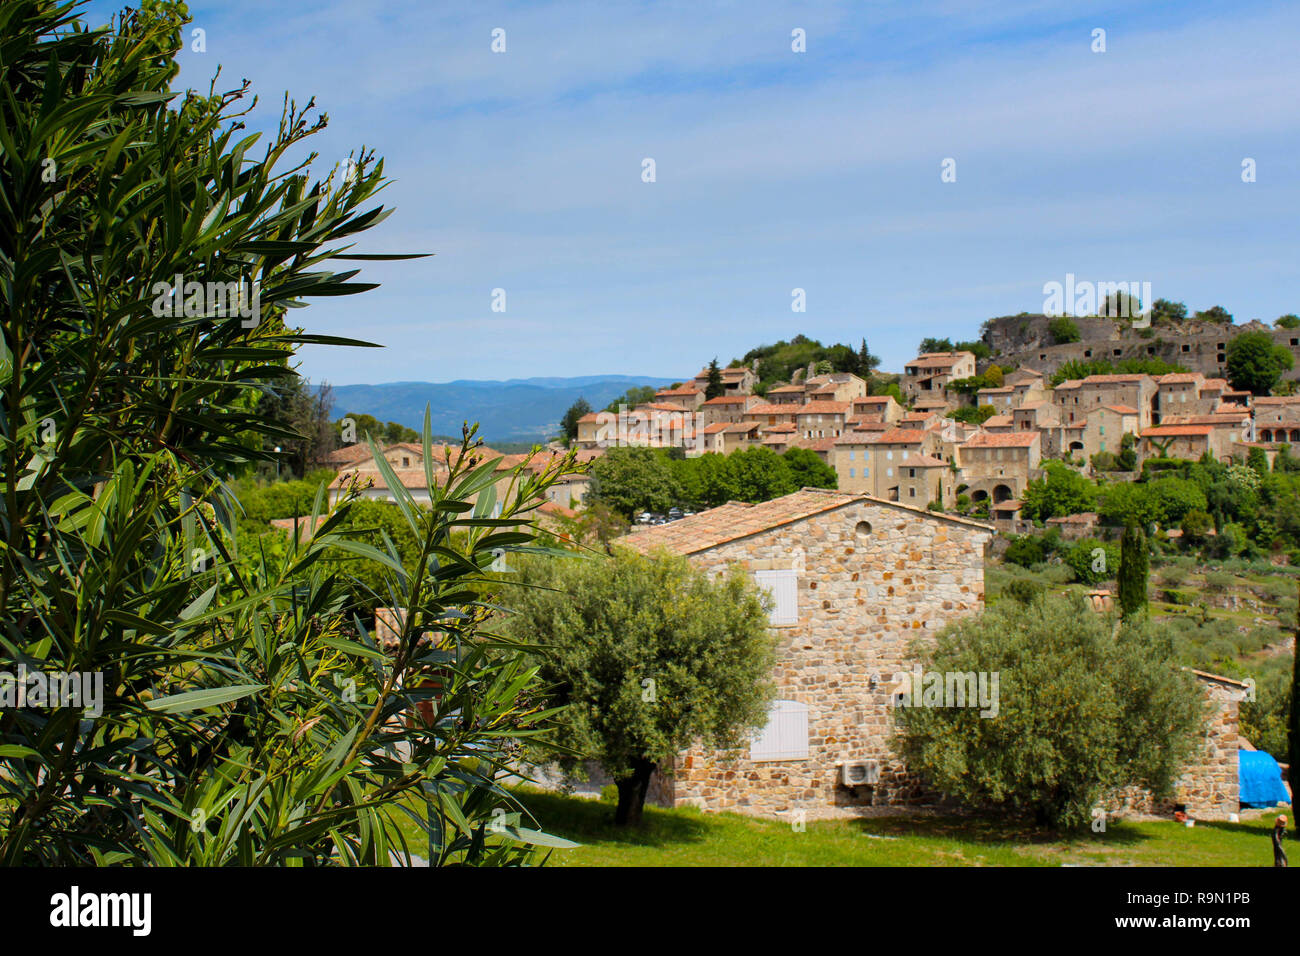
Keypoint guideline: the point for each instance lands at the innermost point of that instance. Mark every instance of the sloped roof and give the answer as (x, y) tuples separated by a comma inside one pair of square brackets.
[(923, 461), (736, 520), (1113, 379), (938, 359), (1173, 431), (1003, 440), (823, 408)]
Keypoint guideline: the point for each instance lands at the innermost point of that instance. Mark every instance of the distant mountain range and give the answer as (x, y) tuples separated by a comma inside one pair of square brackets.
[(515, 410)]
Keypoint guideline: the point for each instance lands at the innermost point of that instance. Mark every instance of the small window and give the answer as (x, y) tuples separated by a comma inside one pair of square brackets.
[(851, 474), (406, 462), (786, 735), (911, 492), (782, 595)]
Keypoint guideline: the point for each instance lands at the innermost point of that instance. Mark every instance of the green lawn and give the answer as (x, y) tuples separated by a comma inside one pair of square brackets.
[(691, 838)]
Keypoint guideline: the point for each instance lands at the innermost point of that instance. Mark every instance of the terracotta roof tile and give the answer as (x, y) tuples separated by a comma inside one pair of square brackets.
[(823, 408), (1168, 431), (1011, 440), (735, 519)]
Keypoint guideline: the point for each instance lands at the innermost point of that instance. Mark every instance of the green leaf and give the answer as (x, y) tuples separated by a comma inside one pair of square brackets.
[(206, 697)]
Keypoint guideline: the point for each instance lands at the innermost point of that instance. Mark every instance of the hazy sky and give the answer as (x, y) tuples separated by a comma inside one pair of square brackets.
[(775, 170)]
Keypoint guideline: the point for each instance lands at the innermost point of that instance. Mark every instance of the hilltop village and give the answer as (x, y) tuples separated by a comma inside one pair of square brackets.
[(956, 431)]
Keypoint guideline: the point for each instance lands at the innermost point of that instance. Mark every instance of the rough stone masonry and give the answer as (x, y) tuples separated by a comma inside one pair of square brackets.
[(869, 577)]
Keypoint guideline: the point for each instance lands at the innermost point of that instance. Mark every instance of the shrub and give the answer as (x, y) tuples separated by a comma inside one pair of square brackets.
[(1093, 561), (246, 719), (1079, 713), (1063, 330)]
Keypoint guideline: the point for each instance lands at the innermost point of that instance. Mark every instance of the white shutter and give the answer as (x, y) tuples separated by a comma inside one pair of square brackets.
[(783, 590), (786, 735)]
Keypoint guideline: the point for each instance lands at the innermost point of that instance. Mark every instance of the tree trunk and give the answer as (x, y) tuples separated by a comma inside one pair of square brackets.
[(632, 791)]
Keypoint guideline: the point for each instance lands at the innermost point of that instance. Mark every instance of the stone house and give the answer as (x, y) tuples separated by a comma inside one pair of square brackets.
[(1174, 441), (735, 381), (835, 387), (724, 437), (729, 409), (997, 468), (786, 395), (1227, 429), (928, 375), (853, 580), (1180, 393), (873, 463), (1277, 419), (768, 414), (821, 419), (1030, 378), (780, 438), (1075, 526), (935, 404), (689, 396), (1077, 397), (1000, 398), (1105, 427), (876, 408), (1033, 416)]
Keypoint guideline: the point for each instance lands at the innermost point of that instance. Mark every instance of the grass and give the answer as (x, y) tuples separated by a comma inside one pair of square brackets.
[(688, 837)]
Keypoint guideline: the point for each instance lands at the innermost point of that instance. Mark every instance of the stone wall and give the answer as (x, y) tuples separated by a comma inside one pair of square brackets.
[(1024, 340), (872, 578), (1209, 788)]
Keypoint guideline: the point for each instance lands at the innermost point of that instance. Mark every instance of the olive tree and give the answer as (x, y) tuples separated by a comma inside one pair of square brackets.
[(646, 655), (1084, 707)]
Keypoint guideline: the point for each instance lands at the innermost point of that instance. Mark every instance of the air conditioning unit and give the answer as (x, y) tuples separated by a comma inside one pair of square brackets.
[(859, 773)]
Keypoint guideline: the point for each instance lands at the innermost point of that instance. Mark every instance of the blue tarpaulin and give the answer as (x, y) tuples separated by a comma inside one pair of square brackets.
[(1260, 778)]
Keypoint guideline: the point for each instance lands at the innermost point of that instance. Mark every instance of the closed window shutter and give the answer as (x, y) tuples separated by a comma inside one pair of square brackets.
[(783, 595), (786, 735)]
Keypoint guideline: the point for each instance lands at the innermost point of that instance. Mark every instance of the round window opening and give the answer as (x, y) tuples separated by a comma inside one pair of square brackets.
[(863, 528)]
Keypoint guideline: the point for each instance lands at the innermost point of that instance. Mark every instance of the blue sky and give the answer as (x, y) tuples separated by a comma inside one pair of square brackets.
[(775, 170)]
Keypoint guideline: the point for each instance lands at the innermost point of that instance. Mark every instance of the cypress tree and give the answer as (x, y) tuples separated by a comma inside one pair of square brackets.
[(1133, 569), (715, 387)]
